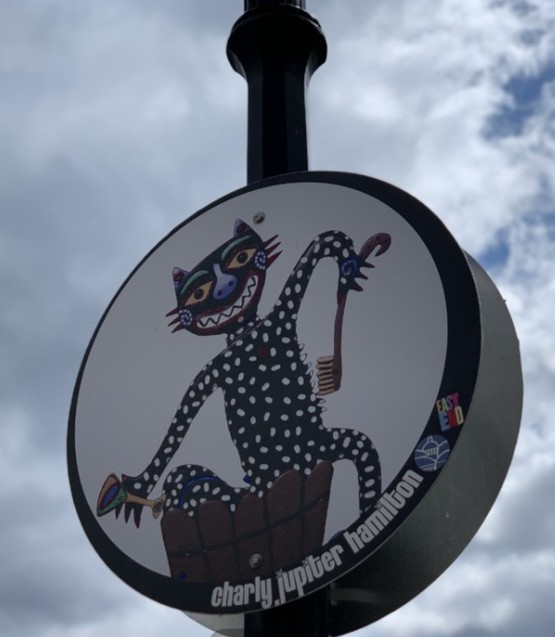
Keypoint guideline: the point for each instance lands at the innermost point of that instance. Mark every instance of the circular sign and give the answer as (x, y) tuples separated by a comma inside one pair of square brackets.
[(273, 392)]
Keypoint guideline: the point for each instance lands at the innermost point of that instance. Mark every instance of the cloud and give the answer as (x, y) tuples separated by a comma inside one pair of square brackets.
[(413, 105), (119, 119)]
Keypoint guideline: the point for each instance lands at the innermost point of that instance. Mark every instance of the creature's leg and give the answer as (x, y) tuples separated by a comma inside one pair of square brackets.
[(349, 444), (188, 486)]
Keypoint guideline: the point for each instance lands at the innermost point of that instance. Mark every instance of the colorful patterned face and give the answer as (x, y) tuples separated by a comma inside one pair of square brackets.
[(223, 291)]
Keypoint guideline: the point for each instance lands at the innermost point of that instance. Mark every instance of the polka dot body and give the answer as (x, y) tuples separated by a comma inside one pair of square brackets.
[(272, 411)]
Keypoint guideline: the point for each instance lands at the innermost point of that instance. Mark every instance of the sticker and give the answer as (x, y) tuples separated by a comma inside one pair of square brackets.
[(449, 412), (432, 453)]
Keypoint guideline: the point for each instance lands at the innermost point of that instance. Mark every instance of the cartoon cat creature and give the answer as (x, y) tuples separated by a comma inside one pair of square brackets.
[(273, 404)]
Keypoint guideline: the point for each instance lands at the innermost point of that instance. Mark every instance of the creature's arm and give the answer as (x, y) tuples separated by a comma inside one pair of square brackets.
[(331, 244), (132, 491), (329, 368), (338, 246)]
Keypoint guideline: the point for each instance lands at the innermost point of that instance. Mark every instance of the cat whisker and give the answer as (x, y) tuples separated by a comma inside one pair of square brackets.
[(273, 247), (273, 257), (268, 241), (172, 312), (270, 246)]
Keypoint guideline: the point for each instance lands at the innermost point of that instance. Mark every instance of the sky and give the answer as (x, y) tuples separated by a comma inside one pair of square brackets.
[(120, 119)]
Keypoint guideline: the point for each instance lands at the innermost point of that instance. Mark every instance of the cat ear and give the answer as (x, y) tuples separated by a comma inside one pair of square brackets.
[(179, 276), (240, 227)]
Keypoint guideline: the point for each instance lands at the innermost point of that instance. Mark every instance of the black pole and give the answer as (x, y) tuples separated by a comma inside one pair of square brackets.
[(304, 617), (276, 46)]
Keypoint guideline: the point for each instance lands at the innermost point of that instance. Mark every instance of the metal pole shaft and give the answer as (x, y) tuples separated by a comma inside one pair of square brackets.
[(253, 4), (276, 46), (305, 617)]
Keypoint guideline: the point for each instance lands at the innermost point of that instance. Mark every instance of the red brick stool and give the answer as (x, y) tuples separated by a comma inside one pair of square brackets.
[(262, 536)]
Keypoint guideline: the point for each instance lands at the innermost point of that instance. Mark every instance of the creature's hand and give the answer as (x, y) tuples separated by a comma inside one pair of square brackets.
[(350, 267), (115, 494), (329, 368)]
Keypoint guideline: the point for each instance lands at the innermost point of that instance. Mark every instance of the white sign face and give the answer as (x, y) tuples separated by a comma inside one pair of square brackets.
[(306, 394)]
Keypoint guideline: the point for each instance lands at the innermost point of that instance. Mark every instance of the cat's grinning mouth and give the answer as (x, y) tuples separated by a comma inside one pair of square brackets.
[(231, 312)]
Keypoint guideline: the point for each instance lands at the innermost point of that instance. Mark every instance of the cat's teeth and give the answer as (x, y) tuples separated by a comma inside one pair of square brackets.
[(215, 319)]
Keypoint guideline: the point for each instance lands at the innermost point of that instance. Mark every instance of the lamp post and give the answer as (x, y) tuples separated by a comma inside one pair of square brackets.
[(276, 46)]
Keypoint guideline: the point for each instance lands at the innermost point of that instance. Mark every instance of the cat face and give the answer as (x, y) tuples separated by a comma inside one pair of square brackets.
[(223, 291)]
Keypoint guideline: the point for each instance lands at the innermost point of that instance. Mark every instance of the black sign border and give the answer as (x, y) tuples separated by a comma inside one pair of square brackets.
[(464, 347)]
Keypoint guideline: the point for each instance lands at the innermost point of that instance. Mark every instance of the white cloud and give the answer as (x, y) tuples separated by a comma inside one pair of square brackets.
[(414, 90), (119, 119)]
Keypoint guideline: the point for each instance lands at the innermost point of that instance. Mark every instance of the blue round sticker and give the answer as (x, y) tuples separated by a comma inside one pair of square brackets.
[(432, 453)]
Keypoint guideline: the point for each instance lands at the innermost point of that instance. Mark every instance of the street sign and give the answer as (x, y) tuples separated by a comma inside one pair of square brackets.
[(295, 388)]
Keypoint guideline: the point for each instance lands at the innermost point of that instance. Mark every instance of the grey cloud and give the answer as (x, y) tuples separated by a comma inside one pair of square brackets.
[(119, 119)]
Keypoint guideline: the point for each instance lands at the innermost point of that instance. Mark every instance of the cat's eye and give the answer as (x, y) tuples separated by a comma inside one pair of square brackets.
[(241, 258), (199, 294)]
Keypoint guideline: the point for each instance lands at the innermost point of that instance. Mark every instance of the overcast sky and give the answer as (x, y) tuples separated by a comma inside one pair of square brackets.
[(119, 119)]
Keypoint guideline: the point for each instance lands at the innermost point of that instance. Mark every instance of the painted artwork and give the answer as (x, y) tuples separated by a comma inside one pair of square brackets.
[(265, 399), (273, 400)]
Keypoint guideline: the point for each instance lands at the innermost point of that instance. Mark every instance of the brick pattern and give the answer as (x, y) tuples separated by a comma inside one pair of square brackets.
[(218, 545)]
